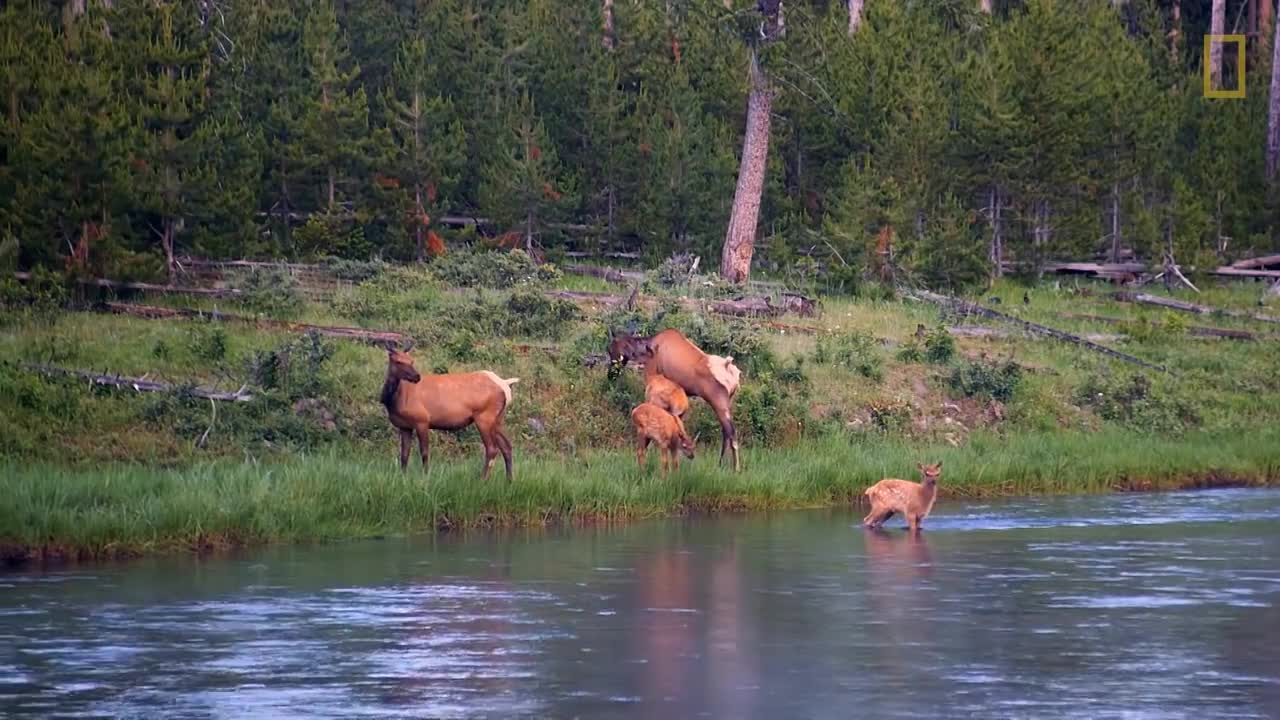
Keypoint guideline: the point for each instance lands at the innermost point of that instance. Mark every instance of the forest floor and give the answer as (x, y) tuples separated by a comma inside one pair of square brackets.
[(865, 387)]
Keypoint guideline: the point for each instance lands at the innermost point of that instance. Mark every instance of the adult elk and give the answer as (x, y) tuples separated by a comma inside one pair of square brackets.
[(418, 403), (713, 378)]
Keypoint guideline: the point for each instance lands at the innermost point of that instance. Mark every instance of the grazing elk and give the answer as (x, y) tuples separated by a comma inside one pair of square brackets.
[(655, 425), (914, 500), (418, 403), (713, 378)]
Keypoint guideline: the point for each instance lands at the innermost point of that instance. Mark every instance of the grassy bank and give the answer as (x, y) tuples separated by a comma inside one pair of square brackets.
[(53, 513), (867, 387)]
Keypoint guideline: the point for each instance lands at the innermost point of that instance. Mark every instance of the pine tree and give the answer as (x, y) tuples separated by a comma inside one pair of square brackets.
[(167, 178), (525, 188), (424, 137), (334, 128)]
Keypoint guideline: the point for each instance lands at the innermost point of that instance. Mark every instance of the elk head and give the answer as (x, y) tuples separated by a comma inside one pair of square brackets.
[(931, 473), (400, 364)]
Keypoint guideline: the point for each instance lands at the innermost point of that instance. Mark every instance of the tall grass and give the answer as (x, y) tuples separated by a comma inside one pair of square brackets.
[(122, 510)]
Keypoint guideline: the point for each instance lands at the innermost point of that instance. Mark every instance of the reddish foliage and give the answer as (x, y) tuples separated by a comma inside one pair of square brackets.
[(535, 152), (431, 191), (549, 192), (383, 181), (645, 148), (508, 240), (675, 49), (435, 246)]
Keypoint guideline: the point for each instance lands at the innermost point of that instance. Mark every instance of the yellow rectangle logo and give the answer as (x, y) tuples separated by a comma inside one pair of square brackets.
[(1209, 90)]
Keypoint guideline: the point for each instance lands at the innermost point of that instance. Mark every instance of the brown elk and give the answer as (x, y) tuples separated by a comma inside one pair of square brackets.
[(914, 500), (418, 403), (655, 425), (713, 378), (665, 394)]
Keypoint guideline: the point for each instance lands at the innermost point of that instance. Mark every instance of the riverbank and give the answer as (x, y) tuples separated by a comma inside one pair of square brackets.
[(53, 513)]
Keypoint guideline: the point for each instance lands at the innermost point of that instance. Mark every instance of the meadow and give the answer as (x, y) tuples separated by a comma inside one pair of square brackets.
[(865, 388)]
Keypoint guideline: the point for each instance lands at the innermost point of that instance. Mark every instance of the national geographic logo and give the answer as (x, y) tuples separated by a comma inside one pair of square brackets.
[(1219, 93)]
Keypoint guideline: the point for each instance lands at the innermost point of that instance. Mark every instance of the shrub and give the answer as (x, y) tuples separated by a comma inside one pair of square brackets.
[(45, 290), (355, 270), (296, 368), (854, 351), (998, 382), (208, 343), (532, 314), (270, 291), (939, 346), (494, 269), (396, 295), (1133, 401)]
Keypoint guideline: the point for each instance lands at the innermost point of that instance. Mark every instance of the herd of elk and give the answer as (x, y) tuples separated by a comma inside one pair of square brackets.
[(674, 368), (669, 354)]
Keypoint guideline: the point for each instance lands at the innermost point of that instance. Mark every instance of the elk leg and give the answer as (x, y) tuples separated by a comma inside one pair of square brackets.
[(424, 446), (642, 448), (406, 440), (675, 458), (490, 454), (728, 435), (504, 445)]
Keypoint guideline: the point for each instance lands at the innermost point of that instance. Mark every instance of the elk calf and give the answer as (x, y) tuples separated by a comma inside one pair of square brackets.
[(913, 500), (660, 391), (655, 425)]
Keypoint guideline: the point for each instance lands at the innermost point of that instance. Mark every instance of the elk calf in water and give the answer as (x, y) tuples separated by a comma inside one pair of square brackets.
[(914, 500), (657, 426), (713, 378), (665, 394), (421, 403)]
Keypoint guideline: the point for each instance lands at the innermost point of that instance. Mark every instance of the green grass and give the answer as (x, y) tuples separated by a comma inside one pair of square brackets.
[(95, 472), (120, 510)]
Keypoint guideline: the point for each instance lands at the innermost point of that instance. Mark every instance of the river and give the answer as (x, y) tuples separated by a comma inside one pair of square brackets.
[(1135, 606)]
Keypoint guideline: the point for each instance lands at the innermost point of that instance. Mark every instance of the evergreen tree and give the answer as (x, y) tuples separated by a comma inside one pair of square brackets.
[(525, 187), (425, 139)]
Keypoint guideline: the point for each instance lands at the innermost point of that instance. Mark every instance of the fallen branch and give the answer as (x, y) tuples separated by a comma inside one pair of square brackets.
[(1197, 330), (977, 331), (152, 312), (620, 277), (974, 309), (1145, 299), (142, 384), (146, 287), (1258, 262)]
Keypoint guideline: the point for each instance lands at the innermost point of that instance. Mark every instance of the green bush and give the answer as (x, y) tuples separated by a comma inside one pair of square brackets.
[(855, 351), (1135, 402), (939, 346), (45, 290), (984, 379), (395, 296), (529, 313), (355, 270), (296, 368), (269, 291), (207, 342), (493, 269)]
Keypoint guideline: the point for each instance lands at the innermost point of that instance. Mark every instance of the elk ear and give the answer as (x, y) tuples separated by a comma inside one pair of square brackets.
[(409, 347), (938, 466), (921, 466)]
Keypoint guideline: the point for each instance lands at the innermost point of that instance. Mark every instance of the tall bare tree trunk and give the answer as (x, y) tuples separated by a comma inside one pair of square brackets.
[(609, 40), (1175, 30), (985, 6), (855, 15), (1266, 14), (1216, 27), (1115, 222), (1273, 111), (739, 242), (996, 252)]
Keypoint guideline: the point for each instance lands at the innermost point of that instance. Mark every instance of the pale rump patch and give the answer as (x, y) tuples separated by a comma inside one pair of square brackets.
[(725, 372), (504, 384)]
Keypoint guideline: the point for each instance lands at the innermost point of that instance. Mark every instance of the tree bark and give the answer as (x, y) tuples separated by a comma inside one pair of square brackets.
[(609, 41), (855, 14), (1217, 24), (997, 238), (1266, 15), (1273, 111), (167, 232), (1115, 222), (985, 6), (739, 242), (1176, 30)]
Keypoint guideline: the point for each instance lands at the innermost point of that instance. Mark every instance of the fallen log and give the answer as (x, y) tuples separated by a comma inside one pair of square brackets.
[(1258, 262), (620, 277), (142, 384), (979, 331), (1197, 330), (146, 287), (152, 312), (1146, 299), (969, 308)]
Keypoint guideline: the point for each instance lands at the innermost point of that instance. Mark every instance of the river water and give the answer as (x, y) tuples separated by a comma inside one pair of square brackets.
[(1133, 606)]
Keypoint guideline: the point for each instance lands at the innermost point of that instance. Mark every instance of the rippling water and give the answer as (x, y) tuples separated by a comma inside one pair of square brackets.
[(1133, 606)]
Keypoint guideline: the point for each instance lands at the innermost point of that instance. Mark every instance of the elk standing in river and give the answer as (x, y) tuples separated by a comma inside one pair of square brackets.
[(914, 500), (713, 378), (418, 403)]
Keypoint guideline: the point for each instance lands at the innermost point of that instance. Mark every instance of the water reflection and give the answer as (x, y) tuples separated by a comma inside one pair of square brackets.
[(1138, 606)]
